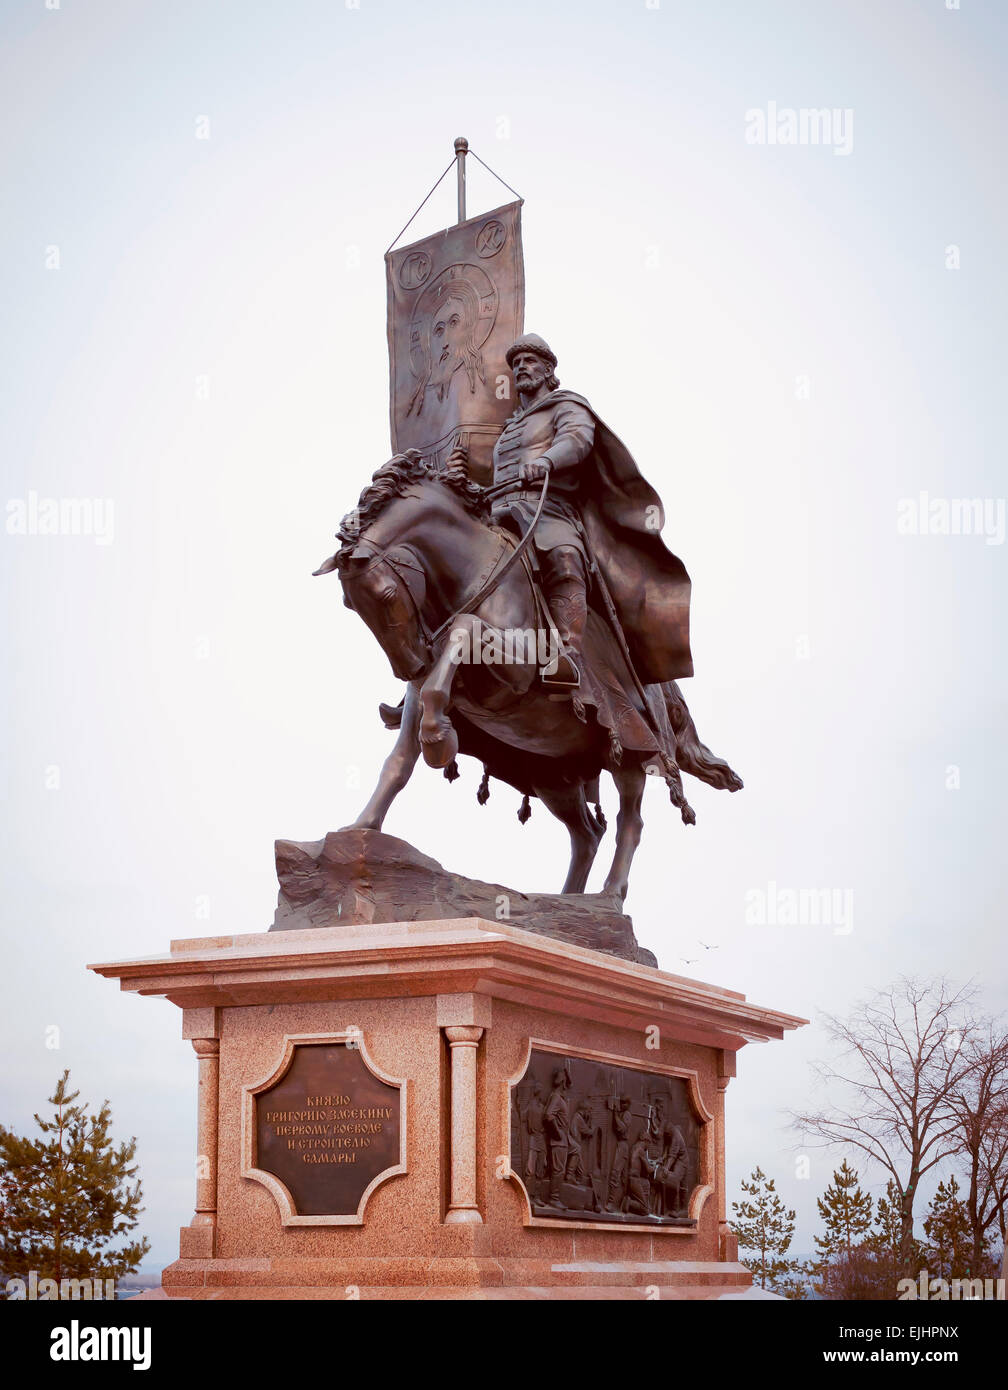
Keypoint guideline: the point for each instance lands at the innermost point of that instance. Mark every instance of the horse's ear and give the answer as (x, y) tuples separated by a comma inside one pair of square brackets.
[(326, 567)]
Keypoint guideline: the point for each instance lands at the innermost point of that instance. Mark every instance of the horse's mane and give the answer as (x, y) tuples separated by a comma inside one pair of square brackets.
[(390, 482)]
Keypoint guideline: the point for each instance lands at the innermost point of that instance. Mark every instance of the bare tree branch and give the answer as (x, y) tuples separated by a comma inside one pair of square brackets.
[(904, 1056)]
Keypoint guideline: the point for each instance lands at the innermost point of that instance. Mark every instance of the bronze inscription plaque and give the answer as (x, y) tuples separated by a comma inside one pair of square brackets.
[(593, 1141), (327, 1128)]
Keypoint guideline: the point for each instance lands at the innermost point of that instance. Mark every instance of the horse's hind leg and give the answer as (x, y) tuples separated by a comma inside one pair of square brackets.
[(568, 804), (398, 766), (629, 824)]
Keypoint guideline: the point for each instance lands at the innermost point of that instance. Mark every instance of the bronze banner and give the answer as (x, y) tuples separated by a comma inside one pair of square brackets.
[(456, 303)]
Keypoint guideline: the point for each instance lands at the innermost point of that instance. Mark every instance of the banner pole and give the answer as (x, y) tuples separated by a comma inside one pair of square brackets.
[(461, 149)]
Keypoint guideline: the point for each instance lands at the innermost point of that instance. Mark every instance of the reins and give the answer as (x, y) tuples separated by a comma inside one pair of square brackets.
[(493, 580), (497, 576)]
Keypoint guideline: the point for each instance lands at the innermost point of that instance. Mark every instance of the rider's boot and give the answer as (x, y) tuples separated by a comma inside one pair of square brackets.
[(567, 596)]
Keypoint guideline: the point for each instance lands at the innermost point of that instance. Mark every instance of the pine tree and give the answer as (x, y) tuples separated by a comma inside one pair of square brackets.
[(884, 1239), (879, 1264), (949, 1233), (847, 1213), (765, 1225), (67, 1197), (844, 1269)]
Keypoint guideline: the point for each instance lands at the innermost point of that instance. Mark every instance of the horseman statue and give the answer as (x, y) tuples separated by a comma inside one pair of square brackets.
[(564, 542)]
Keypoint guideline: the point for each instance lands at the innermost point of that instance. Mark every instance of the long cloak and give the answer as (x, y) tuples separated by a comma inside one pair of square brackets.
[(623, 516)]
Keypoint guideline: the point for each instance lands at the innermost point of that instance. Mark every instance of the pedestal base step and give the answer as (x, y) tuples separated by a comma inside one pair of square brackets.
[(399, 1292), (452, 1278)]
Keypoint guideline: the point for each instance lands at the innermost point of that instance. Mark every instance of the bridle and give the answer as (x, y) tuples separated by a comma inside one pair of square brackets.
[(400, 557)]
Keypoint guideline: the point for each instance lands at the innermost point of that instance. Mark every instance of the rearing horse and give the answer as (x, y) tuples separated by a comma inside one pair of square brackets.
[(414, 554)]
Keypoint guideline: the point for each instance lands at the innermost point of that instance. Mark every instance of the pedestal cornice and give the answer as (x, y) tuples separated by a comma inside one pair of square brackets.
[(461, 956)]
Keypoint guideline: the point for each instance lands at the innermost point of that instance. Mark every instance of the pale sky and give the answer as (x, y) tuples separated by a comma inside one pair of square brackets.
[(195, 333)]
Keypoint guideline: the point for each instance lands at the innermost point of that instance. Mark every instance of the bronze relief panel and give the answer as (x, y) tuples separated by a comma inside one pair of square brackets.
[(597, 1141)]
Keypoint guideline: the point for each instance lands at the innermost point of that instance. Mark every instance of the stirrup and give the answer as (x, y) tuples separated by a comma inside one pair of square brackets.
[(559, 681)]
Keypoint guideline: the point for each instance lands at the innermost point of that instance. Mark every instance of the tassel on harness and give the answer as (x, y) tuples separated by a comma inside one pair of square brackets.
[(673, 780)]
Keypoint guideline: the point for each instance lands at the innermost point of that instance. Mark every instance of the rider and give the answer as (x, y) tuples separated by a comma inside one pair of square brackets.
[(599, 514), (554, 437)]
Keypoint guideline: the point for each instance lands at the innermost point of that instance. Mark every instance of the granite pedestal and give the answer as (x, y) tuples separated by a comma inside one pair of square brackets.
[(439, 1195)]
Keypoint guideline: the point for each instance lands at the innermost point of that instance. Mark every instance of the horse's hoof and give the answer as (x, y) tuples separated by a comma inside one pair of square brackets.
[(441, 749)]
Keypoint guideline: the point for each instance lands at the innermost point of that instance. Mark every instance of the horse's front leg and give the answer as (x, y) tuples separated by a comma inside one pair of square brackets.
[(629, 824), (438, 739), (398, 766)]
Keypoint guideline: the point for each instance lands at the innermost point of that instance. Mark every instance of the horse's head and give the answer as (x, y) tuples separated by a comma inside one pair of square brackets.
[(387, 588), (384, 577)]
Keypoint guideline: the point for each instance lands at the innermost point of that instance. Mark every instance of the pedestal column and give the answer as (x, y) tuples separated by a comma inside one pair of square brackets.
[(462, 1207), (727, 1239), (208, 1052), (198, 1239)]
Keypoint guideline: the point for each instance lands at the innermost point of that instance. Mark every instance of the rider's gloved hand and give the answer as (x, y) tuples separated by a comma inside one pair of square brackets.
[(457, 466), (535, 472)]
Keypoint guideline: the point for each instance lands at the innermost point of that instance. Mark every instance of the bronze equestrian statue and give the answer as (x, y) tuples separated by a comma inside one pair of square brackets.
[(461, 585)]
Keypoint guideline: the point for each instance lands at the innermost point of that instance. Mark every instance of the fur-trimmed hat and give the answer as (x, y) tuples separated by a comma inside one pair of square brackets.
[(531, 342)]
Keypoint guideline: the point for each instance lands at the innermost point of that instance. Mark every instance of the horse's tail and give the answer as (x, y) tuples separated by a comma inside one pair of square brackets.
[(692, 755)]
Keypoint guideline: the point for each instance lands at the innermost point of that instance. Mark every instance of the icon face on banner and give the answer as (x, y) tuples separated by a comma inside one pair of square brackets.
[(455, 305), (451, 322)]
